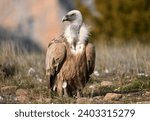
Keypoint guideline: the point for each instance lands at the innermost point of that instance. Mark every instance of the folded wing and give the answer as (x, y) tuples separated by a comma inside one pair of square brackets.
[(55, 58)]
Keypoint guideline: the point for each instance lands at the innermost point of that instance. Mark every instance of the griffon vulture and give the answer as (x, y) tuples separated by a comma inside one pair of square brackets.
[(70, 58)]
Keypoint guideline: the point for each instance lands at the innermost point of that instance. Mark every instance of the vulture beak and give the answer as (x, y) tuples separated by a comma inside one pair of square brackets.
[(65, 18)]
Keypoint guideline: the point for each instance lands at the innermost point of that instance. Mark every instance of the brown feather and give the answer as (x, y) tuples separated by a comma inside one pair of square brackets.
[(90, 56), (64, 66), (55, 57)]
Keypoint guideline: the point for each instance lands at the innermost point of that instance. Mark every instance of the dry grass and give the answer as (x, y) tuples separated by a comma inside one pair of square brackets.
[(128, 67), (128, 58)]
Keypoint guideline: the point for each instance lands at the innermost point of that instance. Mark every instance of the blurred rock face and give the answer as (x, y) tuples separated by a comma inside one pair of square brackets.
[(36, 19)]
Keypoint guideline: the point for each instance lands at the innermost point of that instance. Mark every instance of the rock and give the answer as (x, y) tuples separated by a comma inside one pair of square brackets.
[(83, 100), (106, 84), (8, 89), (112, 96), (96, 73), (106, 71), (147, 93), (92, 86), (22, 99), (22, 92)]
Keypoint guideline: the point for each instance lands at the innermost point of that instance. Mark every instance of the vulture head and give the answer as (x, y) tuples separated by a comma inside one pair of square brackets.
[(76, 31), (74, 17)]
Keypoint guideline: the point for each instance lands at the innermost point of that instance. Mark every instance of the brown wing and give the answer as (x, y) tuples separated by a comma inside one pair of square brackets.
[(90, 55), (55, 58)]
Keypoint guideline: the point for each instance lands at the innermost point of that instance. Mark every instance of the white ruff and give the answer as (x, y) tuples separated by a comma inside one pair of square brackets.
[(82, 38)]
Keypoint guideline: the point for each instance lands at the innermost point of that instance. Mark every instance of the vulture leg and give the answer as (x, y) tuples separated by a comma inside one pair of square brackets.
[(60, 88), (50, 83)]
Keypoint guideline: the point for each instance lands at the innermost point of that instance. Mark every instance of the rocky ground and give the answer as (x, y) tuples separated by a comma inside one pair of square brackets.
[(95, 92), (121, 75)]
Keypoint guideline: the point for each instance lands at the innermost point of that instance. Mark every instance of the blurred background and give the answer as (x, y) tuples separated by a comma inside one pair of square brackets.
[(32, 22), (118, 20), (37, 22)]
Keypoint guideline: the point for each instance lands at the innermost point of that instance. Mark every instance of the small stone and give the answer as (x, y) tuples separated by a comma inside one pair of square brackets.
[(147, 93), (106, 71), (22, 99), (83, 100), (112, 96), (8, 89), (96, 73), (106, 84)]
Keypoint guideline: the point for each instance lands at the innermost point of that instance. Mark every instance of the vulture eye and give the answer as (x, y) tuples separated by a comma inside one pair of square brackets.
[(72, 14)]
